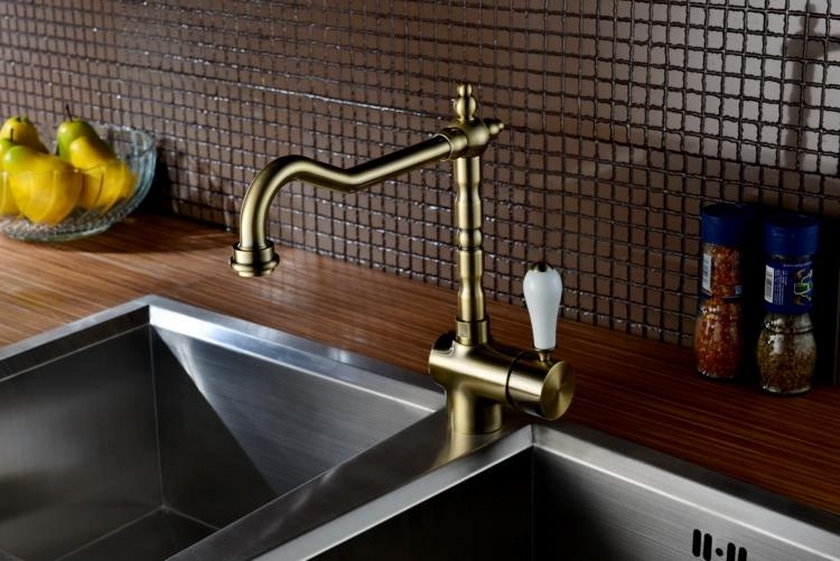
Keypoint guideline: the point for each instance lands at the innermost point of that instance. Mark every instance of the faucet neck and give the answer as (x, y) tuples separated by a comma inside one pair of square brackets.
[(472, 325)]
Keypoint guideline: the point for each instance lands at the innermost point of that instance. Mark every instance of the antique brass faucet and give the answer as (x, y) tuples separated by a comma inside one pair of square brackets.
[(479, 375)]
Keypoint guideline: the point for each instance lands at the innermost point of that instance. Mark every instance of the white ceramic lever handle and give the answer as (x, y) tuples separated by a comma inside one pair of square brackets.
[(543, 290)]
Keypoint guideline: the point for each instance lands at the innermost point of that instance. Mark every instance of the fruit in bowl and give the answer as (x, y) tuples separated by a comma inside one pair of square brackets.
[(45, 188), (20, 130), (8, 206), (105, 182), (107, 179), (93, 181)]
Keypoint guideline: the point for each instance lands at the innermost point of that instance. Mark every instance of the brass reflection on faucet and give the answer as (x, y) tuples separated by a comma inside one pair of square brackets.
[(479, 375)]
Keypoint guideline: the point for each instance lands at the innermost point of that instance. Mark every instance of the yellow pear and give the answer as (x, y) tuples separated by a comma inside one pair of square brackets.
[(45, 188), (22, 131), (107, 179)]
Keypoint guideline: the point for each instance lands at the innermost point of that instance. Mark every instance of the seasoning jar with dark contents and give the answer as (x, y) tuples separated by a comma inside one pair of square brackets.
[(718, 333), (787, 351)]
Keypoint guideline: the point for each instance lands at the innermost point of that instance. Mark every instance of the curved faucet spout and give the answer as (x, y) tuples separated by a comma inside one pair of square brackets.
[(254, 254), (268, 182)]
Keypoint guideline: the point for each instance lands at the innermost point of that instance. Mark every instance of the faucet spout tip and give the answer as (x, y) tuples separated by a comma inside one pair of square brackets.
[(251, 262)]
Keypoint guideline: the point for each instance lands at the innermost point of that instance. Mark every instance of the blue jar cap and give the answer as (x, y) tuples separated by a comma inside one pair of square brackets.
[(791, 234), (724, 224)]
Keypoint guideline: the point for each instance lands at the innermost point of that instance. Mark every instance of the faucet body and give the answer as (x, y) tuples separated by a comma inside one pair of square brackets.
[(479, 375)]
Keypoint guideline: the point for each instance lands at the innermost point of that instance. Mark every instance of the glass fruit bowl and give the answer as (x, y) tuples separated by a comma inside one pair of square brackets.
[(69, 204)]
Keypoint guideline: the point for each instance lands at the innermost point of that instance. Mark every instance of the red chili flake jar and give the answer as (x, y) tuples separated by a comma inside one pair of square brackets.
[(718, 333), (719, 338)]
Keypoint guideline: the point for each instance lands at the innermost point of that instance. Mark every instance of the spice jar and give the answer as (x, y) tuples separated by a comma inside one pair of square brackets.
[(787, 350), (718, 333), (718, 338), (787, 353)]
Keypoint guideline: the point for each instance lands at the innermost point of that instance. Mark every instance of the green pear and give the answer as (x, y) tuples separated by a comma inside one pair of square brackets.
[(5, 144), (23, 132), (22, 159), (74, 128)]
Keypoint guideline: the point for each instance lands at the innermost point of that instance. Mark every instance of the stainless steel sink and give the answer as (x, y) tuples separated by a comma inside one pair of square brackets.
[(143, 430), (158, 431), (567, 493)]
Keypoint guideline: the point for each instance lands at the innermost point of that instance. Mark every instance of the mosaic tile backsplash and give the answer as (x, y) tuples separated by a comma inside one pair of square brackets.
[(624, 119)]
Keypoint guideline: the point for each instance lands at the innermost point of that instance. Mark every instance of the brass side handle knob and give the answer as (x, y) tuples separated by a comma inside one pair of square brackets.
[(541, 388)]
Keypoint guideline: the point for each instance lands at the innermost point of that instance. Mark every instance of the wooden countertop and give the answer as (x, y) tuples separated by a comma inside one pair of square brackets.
[(641, 390)]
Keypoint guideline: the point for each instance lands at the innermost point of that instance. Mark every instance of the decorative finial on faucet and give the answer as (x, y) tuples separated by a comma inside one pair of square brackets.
[(465, 104)]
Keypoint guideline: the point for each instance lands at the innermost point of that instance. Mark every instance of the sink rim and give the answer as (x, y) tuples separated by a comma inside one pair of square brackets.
[(365, 373)]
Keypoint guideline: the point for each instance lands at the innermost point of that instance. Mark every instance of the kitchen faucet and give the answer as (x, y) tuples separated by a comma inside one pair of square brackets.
[(480, 376)]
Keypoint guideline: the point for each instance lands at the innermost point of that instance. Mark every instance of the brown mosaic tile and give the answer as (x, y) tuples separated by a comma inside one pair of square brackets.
[(624, 120)]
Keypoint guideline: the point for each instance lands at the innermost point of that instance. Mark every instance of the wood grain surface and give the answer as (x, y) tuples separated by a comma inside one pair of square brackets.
[(638, 389)]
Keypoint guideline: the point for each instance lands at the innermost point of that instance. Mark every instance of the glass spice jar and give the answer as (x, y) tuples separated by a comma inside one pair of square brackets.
[(718, 338), (787, 350), (718, 333), (787, 353)]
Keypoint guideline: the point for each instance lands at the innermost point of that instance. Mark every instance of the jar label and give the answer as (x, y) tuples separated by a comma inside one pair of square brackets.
[(707, 273), (721, 272), (789, 287)]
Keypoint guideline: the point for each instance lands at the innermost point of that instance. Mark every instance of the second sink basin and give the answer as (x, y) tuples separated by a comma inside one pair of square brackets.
[(142, 430), (551, 492)]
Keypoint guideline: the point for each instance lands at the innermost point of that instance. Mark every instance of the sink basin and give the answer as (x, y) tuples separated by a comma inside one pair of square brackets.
[(146, 429), (160, 431), (565, 492)]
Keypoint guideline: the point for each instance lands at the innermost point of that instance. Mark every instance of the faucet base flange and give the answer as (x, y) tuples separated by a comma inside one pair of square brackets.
[(249, 262)]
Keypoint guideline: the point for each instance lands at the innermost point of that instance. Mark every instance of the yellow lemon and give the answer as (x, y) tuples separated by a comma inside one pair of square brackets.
[(8, 206), (7, 201), (46, 197), (107, 179), (45, 188), (107, 184)]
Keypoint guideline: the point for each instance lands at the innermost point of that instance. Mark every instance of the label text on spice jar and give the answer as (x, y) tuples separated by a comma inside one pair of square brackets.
[(789, 286)]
